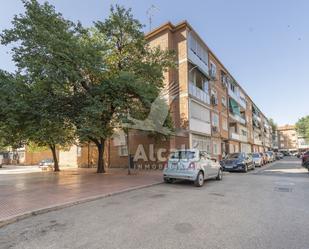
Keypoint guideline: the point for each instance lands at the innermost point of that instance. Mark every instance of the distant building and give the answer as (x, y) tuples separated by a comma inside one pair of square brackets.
[(289, 139)]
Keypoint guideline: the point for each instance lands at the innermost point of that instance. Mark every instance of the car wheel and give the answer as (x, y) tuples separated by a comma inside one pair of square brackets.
[(246, 168), (199, 181), (220, 175), (168, 180)]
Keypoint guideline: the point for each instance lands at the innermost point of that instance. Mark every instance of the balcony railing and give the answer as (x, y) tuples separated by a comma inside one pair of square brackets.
[(238, 118), (235, 95), (234, 136), (243, 138), (242, 103), (199, 93), (258, 141), (257, 117)]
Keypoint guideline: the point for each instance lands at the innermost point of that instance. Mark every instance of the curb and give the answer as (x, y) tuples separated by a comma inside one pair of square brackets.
[(25, 215), (260, 169)]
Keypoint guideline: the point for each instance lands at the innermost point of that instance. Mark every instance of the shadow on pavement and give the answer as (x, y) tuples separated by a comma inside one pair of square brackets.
[(288, 167)]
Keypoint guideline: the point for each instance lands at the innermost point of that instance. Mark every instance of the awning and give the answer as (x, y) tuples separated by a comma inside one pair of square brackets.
[(234, 107)]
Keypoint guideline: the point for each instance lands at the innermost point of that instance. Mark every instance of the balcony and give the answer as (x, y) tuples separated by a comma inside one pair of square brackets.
[(200, 126), (242, 103), (258, 141), (234, 136), (243, 138), (198, 54), (236, 96), (199, 93), (267, 143), (257, 117), (238, 118)]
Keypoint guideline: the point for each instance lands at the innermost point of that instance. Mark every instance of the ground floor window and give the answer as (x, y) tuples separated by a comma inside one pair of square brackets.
[(123, 150), (202, 143), (216, 148)]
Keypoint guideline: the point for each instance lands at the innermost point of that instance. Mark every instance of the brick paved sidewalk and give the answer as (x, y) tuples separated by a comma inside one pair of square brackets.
[(25, 194)]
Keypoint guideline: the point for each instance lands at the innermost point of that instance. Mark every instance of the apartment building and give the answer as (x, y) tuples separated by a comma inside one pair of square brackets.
[(287, 137), (212, 112), (290, 140)]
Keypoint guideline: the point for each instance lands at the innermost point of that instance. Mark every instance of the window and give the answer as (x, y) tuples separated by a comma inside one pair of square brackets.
[(244, 133), (223, 101), (198, 49), (215, 149), (79, 151), (232, 87), (214, 97), (123, 150), (198, 79), (213, 69), (199, 112), (193, 44), (215, 120), (202, 143), (223, 79)]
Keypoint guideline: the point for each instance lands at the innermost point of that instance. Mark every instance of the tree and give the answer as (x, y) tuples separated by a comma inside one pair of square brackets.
[(273, 125), (104, 73), (48, 125), (302, 127), (128, 54), (39, 115), (132, 78), (14, 110)]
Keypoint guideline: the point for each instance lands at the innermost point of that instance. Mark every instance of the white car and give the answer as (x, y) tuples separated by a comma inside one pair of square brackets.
[(193, 165), (258, 159)]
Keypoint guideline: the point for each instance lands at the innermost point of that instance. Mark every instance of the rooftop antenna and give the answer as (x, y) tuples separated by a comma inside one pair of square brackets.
[(150, 13)]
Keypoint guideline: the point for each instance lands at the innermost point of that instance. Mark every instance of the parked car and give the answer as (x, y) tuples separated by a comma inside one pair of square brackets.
[(258, 159), (238, 162), (193, 165), (285, 153), (305, 158), (270, 156), (294, 153), (277, 155), (280, 155), (46, 163)]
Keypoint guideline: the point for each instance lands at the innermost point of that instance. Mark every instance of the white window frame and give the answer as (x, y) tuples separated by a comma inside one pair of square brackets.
[(123, 150), (215, 117)]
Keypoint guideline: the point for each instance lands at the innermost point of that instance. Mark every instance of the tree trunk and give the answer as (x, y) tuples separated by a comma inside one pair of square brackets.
[(56, 165), (101, 146)]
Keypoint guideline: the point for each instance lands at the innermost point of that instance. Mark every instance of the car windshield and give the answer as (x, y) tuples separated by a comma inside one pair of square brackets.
[(183, 155), (233, 156), (256, 155)]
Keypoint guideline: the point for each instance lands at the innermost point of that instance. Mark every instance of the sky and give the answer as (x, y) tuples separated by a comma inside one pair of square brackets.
[(264, 44)]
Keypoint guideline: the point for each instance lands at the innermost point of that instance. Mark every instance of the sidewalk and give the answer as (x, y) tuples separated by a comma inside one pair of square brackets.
[(25, 194)]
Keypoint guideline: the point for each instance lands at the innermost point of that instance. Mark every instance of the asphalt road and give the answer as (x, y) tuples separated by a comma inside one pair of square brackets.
[(266, 208)]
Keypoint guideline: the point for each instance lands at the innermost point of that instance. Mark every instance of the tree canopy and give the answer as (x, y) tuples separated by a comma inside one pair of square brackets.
[(302, 127), (82, 82)]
